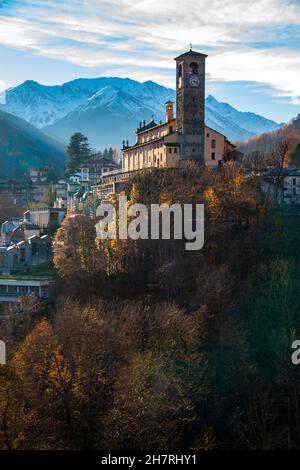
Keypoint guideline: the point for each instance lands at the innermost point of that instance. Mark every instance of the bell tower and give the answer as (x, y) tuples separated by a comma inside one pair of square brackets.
[(190, 105), (169, 111)]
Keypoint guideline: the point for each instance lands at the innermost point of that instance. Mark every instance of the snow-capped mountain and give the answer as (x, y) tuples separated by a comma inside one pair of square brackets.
[(112, 99), (41, 105), (45, 105), (109, 116), (109, 109), (249, 124)]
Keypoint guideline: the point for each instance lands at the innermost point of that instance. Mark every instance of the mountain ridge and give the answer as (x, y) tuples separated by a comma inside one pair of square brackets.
[(108, 109)]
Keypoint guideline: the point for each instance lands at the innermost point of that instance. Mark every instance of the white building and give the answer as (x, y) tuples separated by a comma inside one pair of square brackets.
[(12, 289)]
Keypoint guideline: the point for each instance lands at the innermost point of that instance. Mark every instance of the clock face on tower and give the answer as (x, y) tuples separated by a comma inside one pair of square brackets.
[(194, 80)]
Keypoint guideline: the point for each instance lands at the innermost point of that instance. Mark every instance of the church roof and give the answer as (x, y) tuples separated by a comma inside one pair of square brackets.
[(146, 127), (190, 53)]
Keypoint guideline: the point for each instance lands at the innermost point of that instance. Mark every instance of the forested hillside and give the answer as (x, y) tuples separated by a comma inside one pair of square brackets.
[(149, 346), (268, 142), (22, 147)]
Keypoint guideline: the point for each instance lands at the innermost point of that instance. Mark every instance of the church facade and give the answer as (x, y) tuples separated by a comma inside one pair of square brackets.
[(184, 137)]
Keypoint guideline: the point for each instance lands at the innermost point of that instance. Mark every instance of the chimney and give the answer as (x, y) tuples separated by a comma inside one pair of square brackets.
[(169, 111)]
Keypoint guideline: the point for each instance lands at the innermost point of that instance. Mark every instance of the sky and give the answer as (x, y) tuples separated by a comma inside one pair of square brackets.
[(253, 46)]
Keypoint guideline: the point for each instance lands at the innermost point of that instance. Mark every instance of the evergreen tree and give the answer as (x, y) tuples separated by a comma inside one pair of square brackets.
[(105, 154), (110, 154), (97, 156), (78, 151)]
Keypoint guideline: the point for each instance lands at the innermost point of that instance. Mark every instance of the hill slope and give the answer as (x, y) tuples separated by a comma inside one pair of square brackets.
[(22, 146), (268, 141)]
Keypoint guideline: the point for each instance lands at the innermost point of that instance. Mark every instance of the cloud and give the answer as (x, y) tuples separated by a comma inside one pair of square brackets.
[(18, 33), (143, 36), (278, 68)]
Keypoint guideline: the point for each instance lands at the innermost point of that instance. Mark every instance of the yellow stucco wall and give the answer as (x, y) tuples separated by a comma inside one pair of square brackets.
[(214, 147), (151, 150)]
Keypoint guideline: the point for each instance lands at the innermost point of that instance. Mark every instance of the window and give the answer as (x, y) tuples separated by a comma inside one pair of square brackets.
[(175, 150), (45, 292), (207, 135), (12, 289), (170, 129), (34, 290), (194, 67), (22, 255), (1, 258), (170, 150), (23, 290), (213, 143), (294, 181), (213, 156)]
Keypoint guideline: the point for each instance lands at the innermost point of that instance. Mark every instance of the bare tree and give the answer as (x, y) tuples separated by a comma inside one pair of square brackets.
[(279, 160)]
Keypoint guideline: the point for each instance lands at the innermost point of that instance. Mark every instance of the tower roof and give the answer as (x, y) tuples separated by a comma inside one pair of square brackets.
[(190, 53)]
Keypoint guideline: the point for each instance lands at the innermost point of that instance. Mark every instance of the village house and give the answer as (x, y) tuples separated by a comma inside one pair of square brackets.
[(16, 230), (92, 169), (46, 218), (60, 190), (25, 254), (33, 188), (13, 289), (77, 192), (16, 192), (36, 221), (284, 185)]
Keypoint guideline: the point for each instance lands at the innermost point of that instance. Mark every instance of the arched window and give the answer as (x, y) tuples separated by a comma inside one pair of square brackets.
[(194, 67), (180, 70)]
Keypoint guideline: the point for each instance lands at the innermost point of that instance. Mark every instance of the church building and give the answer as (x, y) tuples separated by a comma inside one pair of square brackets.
[(184, 137)]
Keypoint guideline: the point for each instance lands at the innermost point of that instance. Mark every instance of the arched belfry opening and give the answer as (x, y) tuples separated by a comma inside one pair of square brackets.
[(194, 68)]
